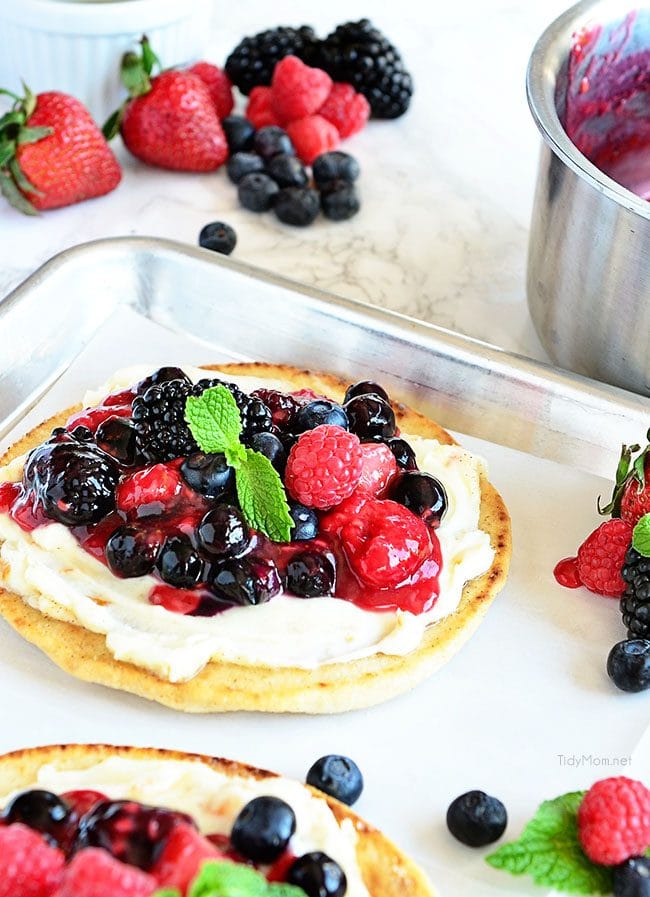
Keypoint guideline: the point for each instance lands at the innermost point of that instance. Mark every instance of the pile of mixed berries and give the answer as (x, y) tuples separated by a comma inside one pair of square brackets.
[(81, 844), (614, 561), (130, 481)]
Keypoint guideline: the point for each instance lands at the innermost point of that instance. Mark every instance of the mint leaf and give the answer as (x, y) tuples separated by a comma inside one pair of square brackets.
[(224, 879), (167, 892), (280, 889), (262, 497), (641, 536), (549, 851), (214, 420)]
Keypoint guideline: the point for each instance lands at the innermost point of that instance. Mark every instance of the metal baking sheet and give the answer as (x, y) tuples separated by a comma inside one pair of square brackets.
[(525, 710)]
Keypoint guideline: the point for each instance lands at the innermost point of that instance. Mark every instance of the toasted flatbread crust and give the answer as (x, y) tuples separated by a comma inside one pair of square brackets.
[(226, 686), (386, 871)]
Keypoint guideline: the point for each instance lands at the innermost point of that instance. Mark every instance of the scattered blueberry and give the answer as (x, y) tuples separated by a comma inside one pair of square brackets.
[(370, 416), (250, 580), (42, 811), (320, 411), (628, 664), (310, 574), (298, 206), (178, 563), (337, 776), (476, 819), (287, 171), (239, 133), (219, 237), (339, 201), (421, 493), (263, 829), (365, 388), (223, 532), (318, 875), (242, 164), (208, 474), (117, 436), (257, 192), (272, 140), (632, 878), (269, 445), (305, 520), (404, 454), (131, 552), (335, 166)]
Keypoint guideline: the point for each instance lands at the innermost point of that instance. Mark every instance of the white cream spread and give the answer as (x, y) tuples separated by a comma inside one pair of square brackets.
[(52, 573), (213, 800)]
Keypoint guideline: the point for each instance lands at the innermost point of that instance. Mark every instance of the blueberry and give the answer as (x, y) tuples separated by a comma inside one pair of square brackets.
[(320, 411), (366, 388), (337, 776), (272, 140), (42, 811), (178, 563), (239, 133), (339, 201), (219, 237), (370, 416), (305, 522), (403, 453), (117, 436), (333, 167), (250, 580), (242, 164), (421, 493), (310, 574), (269, 445), (223, 532), (81, 434), (263, 829), (628, 664), (287, 171), (298, 206), (131, 552), (257, 192), (318, 875), (476, 819), (632, 878), (208, 474)]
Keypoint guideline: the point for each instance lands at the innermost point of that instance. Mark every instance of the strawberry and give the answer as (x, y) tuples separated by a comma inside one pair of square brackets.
[(631, 496), (181, 858), (53, 154), (601, 556), (170, 119), (218, 83)]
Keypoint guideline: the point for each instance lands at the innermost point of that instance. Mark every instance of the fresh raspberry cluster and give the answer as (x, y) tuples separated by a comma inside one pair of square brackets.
[(614, 820)]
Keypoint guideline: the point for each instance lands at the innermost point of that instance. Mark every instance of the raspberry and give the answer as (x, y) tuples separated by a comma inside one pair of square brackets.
[(346, 109), (181, 857), (334, 520), (385, 543), (379, 466), (30, 867), (601, 556), (259, 110), (297, 89), (324, 467), (95, 873), (635, 501), (614, 820), (312, 136), (151, 490), (218, 83)]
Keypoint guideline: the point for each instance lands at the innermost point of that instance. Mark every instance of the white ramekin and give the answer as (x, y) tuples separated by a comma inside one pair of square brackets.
[(76, 45)]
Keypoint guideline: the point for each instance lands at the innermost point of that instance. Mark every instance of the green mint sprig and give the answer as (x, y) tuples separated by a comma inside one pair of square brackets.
[(549, 851), (641, 536), (224, 879), (215, 423)]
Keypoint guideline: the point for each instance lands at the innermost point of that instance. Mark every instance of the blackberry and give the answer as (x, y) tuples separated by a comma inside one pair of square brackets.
[(255, 415), (159, 417), (252, 61), (635, 603), (359, 54)]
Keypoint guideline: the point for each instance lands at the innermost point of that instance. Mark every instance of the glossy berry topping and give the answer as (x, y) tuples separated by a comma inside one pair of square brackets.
[(117, 436), (305, 522), (182, 854), (208, 474), (628, 664), (310, 574), (82, 800), (132, 551), (282, 405), (150, 491), (379, 468), (404, 454), (223, 532), (162, 375), (269, 445), (324, 467), (318, 875), (159, 415), (42, 811), (476, 819), (337, 776), (249, 580), (263, 829), (370, 417), (30, 867), (178, 563), (385, 543), (319, 412), (94, 873), (422, 494)]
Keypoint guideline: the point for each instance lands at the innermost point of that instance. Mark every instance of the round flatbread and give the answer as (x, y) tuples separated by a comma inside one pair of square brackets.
[(386, 871), (226, 686)]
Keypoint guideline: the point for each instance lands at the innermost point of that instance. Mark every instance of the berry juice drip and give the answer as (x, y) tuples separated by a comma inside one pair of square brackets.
[(566, 573)]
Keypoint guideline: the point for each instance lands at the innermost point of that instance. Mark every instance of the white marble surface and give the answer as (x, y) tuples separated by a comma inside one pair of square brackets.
[(446, 189)]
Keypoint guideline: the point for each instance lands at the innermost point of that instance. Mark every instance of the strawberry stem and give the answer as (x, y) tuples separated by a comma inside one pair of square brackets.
[(14, 132)]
